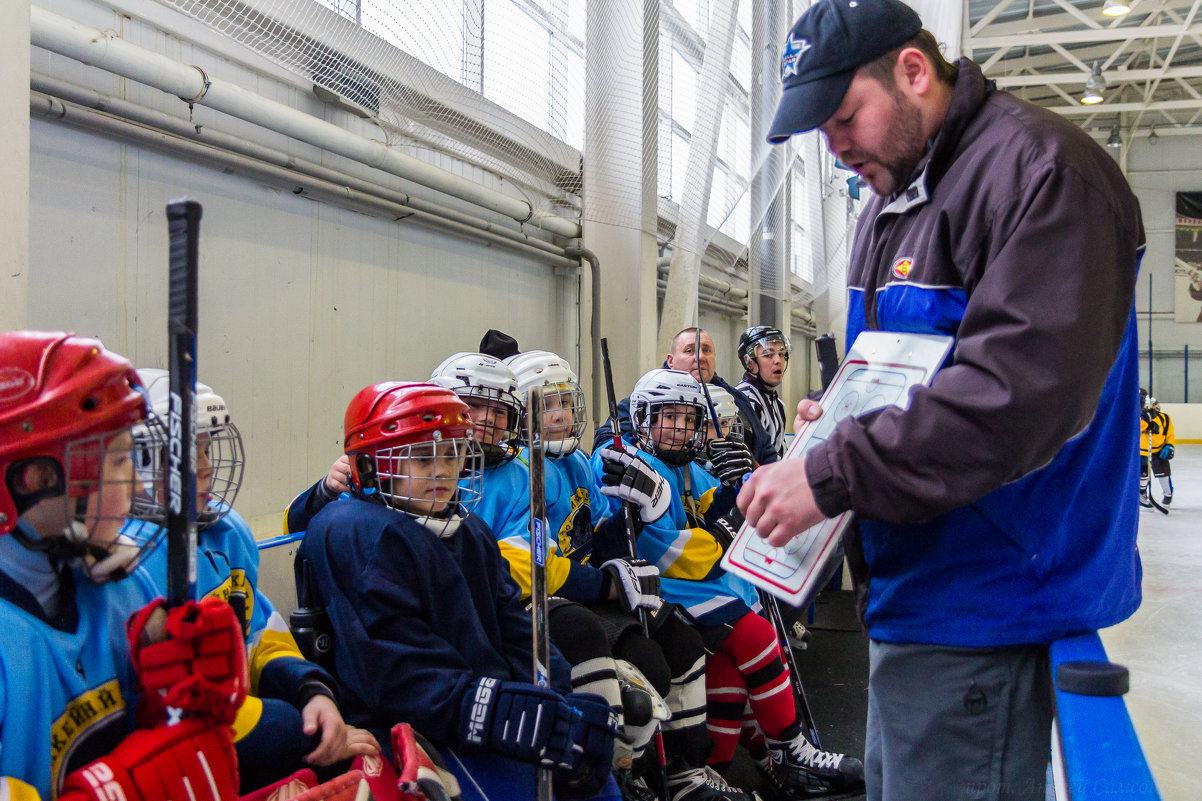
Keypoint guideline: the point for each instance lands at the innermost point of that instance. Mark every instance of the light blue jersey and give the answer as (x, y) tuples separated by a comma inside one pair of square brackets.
[(686, 554), (66, 686)]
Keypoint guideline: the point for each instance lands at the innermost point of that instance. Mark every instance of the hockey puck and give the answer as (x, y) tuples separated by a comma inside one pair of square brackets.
[(1093, 678)]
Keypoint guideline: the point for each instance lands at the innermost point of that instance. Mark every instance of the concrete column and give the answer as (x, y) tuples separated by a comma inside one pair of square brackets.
[(680, 298), (14, 169), (619, 196), (767, 271)]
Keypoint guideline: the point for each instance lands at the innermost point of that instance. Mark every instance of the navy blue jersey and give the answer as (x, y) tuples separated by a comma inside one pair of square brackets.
[(417, 618)]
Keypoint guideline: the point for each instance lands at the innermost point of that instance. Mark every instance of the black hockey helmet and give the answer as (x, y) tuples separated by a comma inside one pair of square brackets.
[(761, 335)]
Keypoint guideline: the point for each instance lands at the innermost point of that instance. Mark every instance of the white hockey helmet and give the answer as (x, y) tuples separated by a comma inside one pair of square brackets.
[(565, 413), (219, 453), (675, 435), (477, 377), (727, 411)]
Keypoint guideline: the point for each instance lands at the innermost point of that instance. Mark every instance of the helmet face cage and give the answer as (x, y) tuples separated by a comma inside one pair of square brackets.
[(101, 482), (427, 479), (672, 430), (497, 419), (220, 462), (564, 417)]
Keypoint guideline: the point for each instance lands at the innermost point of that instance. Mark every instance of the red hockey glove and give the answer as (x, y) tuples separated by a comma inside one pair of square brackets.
[(200, 666), (193, 760), (421, 770)]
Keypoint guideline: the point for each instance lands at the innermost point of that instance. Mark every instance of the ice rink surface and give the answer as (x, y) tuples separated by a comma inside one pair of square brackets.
[(1161, 643)]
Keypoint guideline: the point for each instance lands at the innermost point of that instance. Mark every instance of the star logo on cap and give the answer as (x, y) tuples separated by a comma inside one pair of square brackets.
[(795, 48)]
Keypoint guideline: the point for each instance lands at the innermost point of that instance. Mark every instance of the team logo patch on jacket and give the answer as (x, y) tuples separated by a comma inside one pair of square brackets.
[(902, 267)]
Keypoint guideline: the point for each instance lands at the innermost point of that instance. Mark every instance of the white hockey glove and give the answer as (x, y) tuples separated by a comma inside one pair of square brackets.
[(632, 480), (637, 582)]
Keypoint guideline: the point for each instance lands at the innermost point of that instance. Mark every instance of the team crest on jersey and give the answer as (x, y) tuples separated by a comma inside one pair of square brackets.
[(902, 267), (576, 534), (237, 592), (795, 48), (86, 730)]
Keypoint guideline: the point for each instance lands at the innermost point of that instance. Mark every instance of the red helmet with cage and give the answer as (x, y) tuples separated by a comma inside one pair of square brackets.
[(394, 421), (57, 388)]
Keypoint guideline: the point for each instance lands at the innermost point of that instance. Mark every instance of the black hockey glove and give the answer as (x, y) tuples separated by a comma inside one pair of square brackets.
[(592, 750), (632, 480), (637, 582), (730, 460), (725, 528), (521, 721)]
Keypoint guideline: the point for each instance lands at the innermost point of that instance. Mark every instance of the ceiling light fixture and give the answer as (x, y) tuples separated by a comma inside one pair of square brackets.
[(1115, 140), (1115, 8), (1095, 84), (1152, 137)]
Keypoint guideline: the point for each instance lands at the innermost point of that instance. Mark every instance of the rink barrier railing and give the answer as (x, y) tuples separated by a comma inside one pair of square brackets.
[(1096, 754)]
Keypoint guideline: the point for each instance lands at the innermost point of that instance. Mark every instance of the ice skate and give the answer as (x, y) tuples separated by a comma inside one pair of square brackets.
[(796, 769), (704, 784)]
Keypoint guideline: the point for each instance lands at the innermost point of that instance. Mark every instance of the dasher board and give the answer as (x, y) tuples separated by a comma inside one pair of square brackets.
[(879, 370)]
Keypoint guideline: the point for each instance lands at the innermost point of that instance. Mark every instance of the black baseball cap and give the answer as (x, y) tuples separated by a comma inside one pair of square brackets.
[(828, 43)]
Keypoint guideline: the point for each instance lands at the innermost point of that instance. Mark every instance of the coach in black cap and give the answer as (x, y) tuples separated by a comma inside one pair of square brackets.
[(996, 513), (825, 48)]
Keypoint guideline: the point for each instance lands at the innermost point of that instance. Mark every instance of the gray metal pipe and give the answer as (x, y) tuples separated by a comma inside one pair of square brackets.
[(208, 135), (594, 321), (192, 84), (307, 186)]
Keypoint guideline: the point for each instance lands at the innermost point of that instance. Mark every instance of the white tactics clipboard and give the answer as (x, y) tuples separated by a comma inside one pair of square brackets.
[(879, 370)]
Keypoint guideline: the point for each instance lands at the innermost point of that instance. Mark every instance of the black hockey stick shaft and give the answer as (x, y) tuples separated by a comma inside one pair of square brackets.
[(183, 230), (631, 538), (772, 607), (627, 514), (538, 562)]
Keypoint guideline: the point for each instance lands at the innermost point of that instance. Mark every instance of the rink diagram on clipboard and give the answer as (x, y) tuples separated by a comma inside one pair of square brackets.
[(880, 370), (864, 389)]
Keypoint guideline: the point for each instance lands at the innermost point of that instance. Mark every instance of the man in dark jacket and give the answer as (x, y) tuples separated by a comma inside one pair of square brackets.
[(995, 513), (693, 352)]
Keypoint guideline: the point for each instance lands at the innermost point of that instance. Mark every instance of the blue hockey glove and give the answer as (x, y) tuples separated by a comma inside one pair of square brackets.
[(592, 747), (519, 721), (1166, 452)]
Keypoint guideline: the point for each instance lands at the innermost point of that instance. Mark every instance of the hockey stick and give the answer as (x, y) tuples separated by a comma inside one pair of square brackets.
[(183, 229), (1155, 504), (631, 538), (767, 600), (538, 562)]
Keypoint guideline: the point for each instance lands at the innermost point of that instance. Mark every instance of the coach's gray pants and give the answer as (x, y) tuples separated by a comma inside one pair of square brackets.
[(957, 724)]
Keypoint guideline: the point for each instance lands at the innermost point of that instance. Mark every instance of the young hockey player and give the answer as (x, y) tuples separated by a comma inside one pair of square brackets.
[(764, 352), (290, 719), (601, 625), (68, 581), (429, 627), (1162, 444), (746, 666)]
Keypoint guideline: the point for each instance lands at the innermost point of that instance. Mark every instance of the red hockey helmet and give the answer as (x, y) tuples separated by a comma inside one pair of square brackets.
[(396, 421), (55, 389)]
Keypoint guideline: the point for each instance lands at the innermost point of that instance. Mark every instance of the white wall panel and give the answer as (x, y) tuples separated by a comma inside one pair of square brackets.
[(301, 304)]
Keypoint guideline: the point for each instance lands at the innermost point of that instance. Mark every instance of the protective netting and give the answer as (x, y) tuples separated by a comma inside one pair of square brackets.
[(501, 84)]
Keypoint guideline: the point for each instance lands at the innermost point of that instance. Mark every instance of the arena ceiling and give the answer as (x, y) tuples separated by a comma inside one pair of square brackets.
[(1045, 50)]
